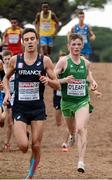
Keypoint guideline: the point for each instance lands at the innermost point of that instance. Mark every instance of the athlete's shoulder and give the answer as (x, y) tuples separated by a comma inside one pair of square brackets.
[(37, 18), (76, 25), (38, 14), (13, 61), (52, 13), (85, 60), (8, 29), (63, 60), (46, 58), (1, 65), (18, 27), (47, 62), (86, 26)]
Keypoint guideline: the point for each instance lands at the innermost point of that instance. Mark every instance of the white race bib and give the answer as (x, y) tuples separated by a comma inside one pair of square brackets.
[(46, 26), (13, 38), (28, 91), (77, 88), (58, 93)]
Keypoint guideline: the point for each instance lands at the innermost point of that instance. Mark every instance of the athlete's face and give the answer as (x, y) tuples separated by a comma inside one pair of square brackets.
[(45, 8), (75, 46), (81, 17), (14, 23), (30, 41), (6, 59)]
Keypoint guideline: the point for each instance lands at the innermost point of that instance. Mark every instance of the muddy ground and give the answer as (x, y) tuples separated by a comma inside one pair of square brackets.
[(56, 164)]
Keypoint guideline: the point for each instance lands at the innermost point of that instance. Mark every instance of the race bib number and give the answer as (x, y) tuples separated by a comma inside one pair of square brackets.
[(13, 38), (77, 88), (28, 91), (58, 93), (46, 26)]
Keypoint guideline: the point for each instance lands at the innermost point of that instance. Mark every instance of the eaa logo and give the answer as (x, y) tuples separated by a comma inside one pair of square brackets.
[(20, 65)]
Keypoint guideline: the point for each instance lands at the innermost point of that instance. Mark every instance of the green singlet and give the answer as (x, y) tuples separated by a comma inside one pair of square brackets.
[(75, 94)]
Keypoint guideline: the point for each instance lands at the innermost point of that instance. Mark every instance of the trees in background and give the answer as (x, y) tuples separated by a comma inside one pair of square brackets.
[(26, 10), (102, 46)]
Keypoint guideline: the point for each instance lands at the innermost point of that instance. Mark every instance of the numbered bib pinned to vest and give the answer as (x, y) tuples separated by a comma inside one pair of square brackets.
[(77, 88)]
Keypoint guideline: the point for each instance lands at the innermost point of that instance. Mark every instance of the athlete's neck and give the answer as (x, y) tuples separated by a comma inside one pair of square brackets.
[(81, 23), (30, 58), (46, 13), (75, 58)]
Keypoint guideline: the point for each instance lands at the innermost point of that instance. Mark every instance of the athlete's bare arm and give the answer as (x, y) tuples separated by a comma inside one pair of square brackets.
[(4, 37), (54, 17), (1, 65), (37, 22), (72, 30), (9, 73), (51, 78), (90, 77), (60, 67), (92, 35)]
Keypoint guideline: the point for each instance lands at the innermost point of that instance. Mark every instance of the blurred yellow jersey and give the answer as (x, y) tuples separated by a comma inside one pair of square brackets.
[(47, 25)]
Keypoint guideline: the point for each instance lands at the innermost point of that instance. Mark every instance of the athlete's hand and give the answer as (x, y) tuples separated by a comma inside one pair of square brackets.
[(94, 86), (98, 93), (1, 85), (6, 99), (69, 79), (44, 79), (92, 38)]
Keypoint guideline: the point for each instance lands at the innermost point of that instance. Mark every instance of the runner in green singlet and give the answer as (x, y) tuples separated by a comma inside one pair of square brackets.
[(75, 103)]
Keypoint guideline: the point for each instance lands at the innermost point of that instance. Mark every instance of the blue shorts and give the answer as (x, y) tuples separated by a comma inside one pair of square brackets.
[(46, 40), (2, 94), (86, 50)]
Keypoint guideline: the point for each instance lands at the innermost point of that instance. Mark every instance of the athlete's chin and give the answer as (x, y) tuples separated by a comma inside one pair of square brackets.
[(76, 53), (31, 50)]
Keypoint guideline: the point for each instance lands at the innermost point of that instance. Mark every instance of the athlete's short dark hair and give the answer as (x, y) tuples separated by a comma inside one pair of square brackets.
[(81, 13), (13, 18), (27, 30), (45, 2), (6, 53), (74, 36)]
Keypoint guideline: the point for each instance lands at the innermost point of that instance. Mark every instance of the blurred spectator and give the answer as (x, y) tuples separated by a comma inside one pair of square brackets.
[(86, 32), (12, 37), (46, 24)]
